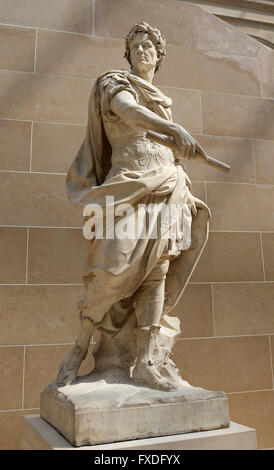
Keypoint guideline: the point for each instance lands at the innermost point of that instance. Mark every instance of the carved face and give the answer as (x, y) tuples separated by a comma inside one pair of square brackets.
[(143, 54)]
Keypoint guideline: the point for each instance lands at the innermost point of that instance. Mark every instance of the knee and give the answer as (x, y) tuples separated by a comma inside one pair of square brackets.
[(153, 285), (159, 272)]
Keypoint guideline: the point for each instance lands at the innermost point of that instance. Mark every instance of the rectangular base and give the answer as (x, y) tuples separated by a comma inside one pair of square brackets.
[(39, 435), (100, 409)]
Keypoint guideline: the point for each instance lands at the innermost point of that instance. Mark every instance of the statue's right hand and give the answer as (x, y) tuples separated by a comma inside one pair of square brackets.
[(186, 144)]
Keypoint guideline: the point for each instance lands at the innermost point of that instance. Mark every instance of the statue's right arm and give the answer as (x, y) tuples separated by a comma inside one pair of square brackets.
[(128, 110)]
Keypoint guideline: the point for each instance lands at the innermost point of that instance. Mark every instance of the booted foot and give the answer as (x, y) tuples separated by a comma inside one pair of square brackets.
[(66, 376), (148, 374), (71, 364), (170, 372), (69, 367)]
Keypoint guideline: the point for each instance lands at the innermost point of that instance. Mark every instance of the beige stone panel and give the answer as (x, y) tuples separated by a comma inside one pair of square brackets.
[(41, 367), (268, 253), (216, 35), (230, 257), (11, 372), (264, 161), (252, 117), (186, 108), (77, 55), (228, 364), (65, 15), (39, 314), (266, 70), (36, 199), (14, 145), (175, 19), (54, 146), (198, 190), (228, 73), (255, 409), (42, 364), (10, 429), (56, 256), (14, 196), (180, 70), (186, 68), (17, 46), (233, 151), (241, 206), (13, 246), (44, 98), (195, 311), (49, 203), (243, 309)]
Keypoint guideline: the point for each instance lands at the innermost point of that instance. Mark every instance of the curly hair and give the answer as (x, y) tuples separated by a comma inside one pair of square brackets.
[(156, 37)]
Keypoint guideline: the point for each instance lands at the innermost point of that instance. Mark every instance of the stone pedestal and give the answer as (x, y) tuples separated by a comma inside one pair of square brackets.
[(108, 407)]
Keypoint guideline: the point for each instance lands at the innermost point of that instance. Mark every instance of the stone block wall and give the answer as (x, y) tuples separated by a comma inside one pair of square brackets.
[(221, 82)]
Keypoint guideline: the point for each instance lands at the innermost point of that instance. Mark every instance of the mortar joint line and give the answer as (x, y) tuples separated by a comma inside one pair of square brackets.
[(205, 186), (35, 51), (201, 112), (18, 409), (35, 345), (213, 309), (259, 76), (42, 285), (254, 161), (27, 255), (44, 122), (30, 153), (231, 336), (42, 227), (262, 253), (93, 18), (23, 377), (271, 362), (250, 391)]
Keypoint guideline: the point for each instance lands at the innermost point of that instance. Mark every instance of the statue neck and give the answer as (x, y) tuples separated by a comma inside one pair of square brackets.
[(146, 75)]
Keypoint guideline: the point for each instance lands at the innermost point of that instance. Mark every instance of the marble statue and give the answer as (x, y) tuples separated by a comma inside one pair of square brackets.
[(145, 232), (133, 151)]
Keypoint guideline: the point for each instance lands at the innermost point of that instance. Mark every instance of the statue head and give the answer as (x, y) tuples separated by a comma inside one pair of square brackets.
[(154, 35)]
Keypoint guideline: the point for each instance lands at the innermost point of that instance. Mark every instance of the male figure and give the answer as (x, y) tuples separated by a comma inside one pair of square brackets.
[(119, 158)]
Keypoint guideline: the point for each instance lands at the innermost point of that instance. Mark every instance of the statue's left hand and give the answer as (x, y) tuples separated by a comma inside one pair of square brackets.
[(195, 202)]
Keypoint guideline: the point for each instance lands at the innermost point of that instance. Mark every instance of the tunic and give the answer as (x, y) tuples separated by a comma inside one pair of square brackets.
[(117, 164)]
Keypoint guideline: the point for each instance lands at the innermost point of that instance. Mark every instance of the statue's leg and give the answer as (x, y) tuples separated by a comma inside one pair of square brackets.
[(148, 307), (70, 365), (93, 307)]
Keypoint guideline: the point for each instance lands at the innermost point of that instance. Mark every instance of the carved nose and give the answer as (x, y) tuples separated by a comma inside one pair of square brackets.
[(139, 50)]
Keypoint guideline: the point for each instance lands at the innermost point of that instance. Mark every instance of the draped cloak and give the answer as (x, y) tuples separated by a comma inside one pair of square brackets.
[(119, 266)]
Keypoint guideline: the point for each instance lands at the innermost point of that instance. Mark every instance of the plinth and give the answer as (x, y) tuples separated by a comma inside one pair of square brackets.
[(109, 407), (37, 434)]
